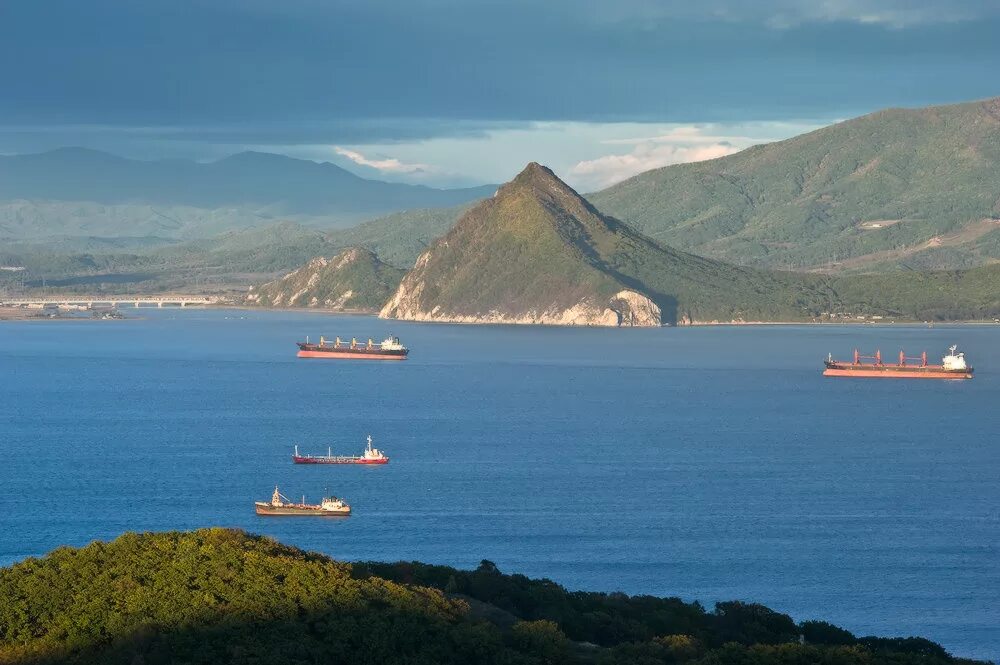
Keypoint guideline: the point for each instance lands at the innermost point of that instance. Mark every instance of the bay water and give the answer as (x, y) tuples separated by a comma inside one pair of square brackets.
[(710, 463)]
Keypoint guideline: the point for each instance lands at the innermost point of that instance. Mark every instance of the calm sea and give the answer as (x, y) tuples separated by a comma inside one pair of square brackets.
[(708, 463)]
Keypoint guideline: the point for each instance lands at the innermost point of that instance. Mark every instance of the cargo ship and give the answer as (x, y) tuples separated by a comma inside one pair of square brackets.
[(369, 456), (280, 505), (389, 349), (953, 366)]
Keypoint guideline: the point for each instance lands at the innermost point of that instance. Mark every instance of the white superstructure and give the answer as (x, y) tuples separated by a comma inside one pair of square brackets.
[(954, 361), (391, 343), (373, 453), (332, 504)]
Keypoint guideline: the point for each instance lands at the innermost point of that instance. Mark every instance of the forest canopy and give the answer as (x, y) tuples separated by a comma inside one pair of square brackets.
[(225, 596)]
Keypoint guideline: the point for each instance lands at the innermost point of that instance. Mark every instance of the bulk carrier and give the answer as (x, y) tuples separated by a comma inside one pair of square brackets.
[(389, 349), (953, 366)]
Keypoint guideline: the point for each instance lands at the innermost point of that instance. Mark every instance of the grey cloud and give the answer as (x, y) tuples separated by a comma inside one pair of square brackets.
[(302, 71)]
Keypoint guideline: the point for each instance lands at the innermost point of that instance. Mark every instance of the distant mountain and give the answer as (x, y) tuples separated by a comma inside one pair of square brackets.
[(919, 188), (400, 237), (539, 253), (354, 280), (80, 192)]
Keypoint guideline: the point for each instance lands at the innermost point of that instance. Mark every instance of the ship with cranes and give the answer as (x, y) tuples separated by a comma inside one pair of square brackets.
[(953, 366), (389, 349)]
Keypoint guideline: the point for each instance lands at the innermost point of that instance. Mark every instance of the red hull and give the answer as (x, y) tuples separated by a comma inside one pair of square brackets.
[(334, 460), (895, 372), (355, 355)]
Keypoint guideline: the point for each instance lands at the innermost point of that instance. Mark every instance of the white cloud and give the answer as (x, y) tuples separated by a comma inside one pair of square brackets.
[(783, 14), (586, 155), (678, 146), (386, 165)]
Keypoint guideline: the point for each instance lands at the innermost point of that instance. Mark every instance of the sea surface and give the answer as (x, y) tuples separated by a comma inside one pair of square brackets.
[(708, 463)]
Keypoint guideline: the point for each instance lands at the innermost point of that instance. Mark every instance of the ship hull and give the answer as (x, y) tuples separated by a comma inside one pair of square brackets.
[(351, 355), (338, 460), (895, 372), (292, 511)]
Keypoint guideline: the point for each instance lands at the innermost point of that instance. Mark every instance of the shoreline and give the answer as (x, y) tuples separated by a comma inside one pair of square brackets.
[(8, 315)]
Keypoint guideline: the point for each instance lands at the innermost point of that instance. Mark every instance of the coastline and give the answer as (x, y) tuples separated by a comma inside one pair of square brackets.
[(17, 314), (693, 324)]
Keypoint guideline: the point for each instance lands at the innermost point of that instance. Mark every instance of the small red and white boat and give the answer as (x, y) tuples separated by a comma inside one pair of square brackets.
[(370, 456)]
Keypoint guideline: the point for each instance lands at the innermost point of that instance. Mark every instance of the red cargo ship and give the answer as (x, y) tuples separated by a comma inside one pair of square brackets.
[(370, 456), (389, 349), (953, 366)]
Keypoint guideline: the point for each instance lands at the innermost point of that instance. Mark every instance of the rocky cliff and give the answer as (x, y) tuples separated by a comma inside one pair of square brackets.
[(353, 280)]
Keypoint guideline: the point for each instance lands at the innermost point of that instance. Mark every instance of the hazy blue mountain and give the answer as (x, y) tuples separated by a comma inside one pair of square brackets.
[(77, 191)]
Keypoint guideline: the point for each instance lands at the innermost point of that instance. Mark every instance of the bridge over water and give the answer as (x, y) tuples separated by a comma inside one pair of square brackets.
[(165, 300)]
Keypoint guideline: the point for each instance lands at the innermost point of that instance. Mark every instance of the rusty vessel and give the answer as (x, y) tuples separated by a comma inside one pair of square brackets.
[(953, 366), (282, 506)]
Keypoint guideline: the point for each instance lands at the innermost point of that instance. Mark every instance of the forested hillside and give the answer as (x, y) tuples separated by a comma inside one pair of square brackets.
[(913, 187), (218, 596)]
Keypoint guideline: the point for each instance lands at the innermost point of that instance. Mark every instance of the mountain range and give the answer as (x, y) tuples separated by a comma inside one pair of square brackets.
[(539, 253), (906, 197), (911, 189), (82, 192)]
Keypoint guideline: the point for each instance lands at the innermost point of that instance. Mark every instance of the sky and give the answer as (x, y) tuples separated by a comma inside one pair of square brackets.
[(458, 92)]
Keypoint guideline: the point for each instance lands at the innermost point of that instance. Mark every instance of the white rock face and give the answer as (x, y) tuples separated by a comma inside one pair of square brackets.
[(636, 309), (625, 308), (341, 300)]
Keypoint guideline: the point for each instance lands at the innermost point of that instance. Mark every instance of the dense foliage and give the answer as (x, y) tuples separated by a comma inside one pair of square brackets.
[(223, 596)]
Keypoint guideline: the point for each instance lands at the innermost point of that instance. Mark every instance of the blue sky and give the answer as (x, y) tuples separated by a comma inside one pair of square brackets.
[(451, 92)]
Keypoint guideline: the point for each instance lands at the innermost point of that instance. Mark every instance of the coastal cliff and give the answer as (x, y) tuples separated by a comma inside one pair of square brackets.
[(353, 280)]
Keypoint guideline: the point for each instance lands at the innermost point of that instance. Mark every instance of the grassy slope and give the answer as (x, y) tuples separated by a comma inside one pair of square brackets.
[(797, 203), (322, 283), (222, 596), (514, 253)]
